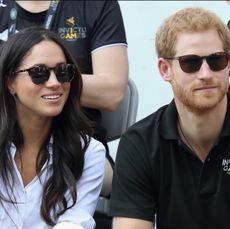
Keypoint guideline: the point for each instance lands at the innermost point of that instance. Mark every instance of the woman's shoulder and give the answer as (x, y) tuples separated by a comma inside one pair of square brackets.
[(95, 148)]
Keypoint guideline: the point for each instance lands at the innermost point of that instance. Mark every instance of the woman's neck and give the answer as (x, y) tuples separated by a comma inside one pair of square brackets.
[(35, 129), (34, 6)]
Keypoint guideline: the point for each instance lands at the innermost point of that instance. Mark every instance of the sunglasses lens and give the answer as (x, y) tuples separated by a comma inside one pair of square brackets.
[(65, 72), (190, 63), (39, 74), (217, 61)]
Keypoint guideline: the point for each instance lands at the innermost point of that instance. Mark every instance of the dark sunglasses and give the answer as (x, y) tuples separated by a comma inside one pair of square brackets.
[(40, 73), (192, 63)]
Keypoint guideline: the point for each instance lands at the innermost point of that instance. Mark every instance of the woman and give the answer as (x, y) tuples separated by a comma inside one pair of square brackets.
[(51, 169), (95, 35)]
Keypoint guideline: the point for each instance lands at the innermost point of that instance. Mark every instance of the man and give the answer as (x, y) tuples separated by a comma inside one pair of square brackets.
[(175, 163), (94, 33)]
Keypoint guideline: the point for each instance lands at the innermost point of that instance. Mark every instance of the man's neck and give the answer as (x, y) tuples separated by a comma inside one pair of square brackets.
[(201, 131), (34, 6)]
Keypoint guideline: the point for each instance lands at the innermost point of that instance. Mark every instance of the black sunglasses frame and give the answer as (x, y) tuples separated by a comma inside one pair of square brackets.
[(39, 74), (192, 63)]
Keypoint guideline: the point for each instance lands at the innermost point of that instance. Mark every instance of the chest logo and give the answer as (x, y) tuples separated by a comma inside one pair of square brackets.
[(72, 32), (226, 166)]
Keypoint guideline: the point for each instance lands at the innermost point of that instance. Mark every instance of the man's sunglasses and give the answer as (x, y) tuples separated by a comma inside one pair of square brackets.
[(40, 73), (192, 63)]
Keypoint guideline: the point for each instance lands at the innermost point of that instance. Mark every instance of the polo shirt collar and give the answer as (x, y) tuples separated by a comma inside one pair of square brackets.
[(226, 127), (168, 122)]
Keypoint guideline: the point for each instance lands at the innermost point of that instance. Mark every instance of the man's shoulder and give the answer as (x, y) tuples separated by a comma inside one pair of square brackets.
[(150, 120), (145, 129)]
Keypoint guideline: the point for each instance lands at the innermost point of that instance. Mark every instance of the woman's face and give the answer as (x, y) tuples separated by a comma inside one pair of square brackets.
[(46, 99)]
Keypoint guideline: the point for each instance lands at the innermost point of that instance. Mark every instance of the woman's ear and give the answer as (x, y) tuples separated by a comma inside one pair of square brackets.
[(164, 69), (10, 85)]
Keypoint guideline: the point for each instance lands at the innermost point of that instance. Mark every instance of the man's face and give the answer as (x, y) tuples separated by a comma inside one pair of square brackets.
[(204, 89)]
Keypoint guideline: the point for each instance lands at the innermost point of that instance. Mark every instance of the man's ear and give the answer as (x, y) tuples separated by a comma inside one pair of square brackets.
[(164, 69)]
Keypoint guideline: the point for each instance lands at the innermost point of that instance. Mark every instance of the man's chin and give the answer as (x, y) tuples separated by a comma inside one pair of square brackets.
[(204, 105)]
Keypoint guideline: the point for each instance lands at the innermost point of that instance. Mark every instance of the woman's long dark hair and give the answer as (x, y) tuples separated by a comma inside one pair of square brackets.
[(70, 129)]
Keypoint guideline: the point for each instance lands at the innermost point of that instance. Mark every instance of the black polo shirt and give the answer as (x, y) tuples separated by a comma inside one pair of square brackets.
[(156, 173)]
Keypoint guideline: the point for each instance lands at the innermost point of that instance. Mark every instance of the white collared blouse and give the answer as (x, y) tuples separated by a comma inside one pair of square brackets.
[(26, 213)]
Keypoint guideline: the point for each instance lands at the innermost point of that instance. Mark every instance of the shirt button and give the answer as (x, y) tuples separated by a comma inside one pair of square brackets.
[(208, 159)]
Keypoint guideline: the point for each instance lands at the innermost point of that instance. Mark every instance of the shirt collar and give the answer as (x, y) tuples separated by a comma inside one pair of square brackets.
[(168, 122), (226, 127), (169, 118), (13, 150)]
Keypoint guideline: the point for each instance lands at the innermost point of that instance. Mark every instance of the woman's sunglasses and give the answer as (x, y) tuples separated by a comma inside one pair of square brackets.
[(40, 73), (192, 63)]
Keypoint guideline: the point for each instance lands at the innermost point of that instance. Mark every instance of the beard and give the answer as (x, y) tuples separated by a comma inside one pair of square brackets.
[(200, 101)]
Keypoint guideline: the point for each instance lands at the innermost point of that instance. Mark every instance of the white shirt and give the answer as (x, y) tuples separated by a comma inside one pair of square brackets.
[(26, 214)]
